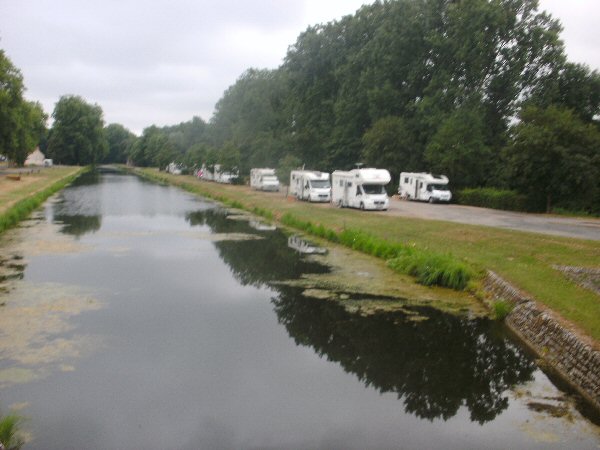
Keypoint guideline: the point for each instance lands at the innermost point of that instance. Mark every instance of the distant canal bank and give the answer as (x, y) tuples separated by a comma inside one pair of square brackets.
[(138, 316), (23, 190)]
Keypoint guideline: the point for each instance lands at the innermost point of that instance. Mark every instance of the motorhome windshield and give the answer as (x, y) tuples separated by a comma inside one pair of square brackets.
[(439, 187), (320, 184), (373, 189)]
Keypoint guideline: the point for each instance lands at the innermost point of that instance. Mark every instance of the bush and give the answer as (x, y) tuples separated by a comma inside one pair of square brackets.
[(9, 432), (501, 309), (433, 269), (492, 198)]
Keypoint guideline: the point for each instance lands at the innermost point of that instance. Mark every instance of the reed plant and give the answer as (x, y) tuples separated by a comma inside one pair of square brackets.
[(9, 432), (428, 267), (501, 308)]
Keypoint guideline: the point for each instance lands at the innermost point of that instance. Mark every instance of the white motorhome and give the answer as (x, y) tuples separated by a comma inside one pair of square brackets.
[(205, 173), (310, 185), (174, 168), (225, 176), (264, 180), (424, 187), (360, 188)]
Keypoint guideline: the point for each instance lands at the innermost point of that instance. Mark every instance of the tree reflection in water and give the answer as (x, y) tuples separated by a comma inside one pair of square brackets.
[(435, 366)]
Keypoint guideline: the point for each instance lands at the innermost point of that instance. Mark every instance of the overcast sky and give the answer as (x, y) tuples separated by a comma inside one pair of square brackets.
[(162, 62)]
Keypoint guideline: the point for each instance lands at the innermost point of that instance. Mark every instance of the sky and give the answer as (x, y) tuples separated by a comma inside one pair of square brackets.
[(162, 62)]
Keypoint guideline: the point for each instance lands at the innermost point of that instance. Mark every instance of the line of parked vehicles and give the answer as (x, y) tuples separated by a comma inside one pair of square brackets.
[(362, 188)]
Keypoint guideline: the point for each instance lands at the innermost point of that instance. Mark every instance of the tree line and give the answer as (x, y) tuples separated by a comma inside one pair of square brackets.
[(480, 90)]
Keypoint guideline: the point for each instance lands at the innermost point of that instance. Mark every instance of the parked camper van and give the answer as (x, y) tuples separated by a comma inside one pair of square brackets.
[(174, 168), (264, 180), (425, 187), (360, 188), (224, 176), (310, 185)]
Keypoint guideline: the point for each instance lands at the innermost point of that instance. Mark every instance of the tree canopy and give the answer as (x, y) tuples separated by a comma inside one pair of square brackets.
[(22, 123), (77, 136)]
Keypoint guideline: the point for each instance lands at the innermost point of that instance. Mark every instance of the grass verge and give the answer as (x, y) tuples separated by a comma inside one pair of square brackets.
[(31, 198)]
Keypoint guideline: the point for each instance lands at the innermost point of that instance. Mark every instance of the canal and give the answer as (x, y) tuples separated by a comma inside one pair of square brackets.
[(134, 315)]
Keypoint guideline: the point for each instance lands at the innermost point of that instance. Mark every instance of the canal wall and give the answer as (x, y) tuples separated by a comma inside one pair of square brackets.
[(570, 355)]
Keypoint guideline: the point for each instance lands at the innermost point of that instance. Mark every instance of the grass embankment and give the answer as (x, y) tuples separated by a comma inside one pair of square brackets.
[(19, 198), (524, 259)]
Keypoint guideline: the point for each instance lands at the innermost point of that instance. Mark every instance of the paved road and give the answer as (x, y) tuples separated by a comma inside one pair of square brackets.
[(583, 228)]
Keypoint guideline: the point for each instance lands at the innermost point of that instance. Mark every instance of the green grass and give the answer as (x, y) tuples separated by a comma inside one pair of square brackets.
[(523, 259), (31, 200), (501, 308), (9, 432)]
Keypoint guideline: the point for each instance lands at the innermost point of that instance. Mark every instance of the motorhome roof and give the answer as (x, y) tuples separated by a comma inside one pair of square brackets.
[(427, 177), (370, 175)]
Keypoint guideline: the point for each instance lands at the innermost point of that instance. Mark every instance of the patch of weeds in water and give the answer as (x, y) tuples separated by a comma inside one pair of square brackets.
[(10, 436), (557, 411), (501, 308)]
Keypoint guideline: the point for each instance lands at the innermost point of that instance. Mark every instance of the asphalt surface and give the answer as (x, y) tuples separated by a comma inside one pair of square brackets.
[(574, 227)]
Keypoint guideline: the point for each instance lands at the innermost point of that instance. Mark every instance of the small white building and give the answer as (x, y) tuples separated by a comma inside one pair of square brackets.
[(35, 158)]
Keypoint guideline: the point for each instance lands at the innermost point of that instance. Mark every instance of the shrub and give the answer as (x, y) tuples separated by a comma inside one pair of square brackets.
[(9, 432), (501, 308), (433, 268), (492, 198)]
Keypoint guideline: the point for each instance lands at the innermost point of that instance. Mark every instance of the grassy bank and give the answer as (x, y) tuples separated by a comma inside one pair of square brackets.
[(524, 259), (19, 198)]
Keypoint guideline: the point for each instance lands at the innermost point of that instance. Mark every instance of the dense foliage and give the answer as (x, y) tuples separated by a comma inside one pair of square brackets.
[(77, 136), (22, 123), (479, 90)]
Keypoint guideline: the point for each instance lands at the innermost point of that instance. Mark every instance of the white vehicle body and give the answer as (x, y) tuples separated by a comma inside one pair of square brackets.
[(224, 176), (264, 180), (360, 188), (424, 187), (174, 168), (204, 173), (310, 185)]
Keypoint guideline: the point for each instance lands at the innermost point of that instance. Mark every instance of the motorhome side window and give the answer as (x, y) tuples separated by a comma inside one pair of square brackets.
[(357, 190), (406, 179)]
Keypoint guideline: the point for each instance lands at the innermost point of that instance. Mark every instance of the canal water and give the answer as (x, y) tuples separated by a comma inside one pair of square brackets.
[(137, 316)]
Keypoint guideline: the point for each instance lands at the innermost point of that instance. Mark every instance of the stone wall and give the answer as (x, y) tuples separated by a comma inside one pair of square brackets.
[(570, 355)]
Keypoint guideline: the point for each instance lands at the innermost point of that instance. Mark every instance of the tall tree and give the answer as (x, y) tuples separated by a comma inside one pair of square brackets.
[(120, 140), (554, 159), (22, 123), (458, 149), (78, 132), (389, 143)]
